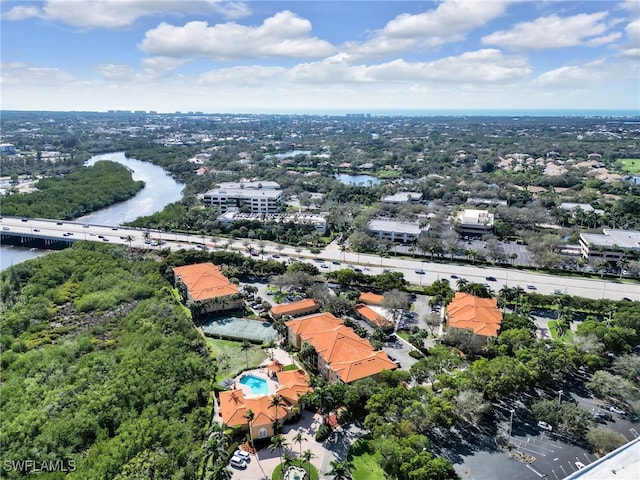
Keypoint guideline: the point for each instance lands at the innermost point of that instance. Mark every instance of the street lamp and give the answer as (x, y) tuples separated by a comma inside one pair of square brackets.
[(560, 392), (511, 423)]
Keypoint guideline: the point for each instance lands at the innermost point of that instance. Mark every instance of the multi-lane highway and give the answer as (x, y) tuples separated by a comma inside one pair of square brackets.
[(331, 258)]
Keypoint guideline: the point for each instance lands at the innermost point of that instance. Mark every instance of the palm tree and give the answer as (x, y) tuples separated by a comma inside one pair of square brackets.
[(340, 470), (249, 415), (245, 347), (299, 438), (473, 256), (278, 443), (276, 402), (343, 249), (306, 457), (215, 449)]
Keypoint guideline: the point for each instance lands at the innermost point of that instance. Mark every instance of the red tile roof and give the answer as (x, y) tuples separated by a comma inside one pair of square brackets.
[(350, 356), (371, 298), (234, 405), (373, 317), (205, 281), (307, 305), (480, 315), (319, 322)]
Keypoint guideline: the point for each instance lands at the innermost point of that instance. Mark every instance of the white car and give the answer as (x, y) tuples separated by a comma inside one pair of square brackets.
[(237, 462), (242, 454), (579, 465), (617, 410), (545, 426)]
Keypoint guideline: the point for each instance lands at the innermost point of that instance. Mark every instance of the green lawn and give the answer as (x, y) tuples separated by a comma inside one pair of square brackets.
[(237, 358), (631, 165), (309, 467), (364, 461)]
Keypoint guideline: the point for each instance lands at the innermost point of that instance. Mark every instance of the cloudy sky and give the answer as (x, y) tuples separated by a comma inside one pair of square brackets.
[(319, 56)]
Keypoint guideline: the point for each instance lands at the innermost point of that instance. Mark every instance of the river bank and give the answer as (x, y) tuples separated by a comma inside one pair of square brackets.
[(160, 190)]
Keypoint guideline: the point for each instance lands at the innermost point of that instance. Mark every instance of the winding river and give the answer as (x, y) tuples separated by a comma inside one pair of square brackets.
[(160, 190)]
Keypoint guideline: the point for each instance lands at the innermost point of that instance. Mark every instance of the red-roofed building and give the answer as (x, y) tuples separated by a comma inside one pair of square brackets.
[(205, 284), (481, 316), (370, 298), (234, 404), (373, 317), (340, 353), (295, 309)]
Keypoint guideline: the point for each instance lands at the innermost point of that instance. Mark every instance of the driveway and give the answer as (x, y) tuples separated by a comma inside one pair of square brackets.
[(335, 447)]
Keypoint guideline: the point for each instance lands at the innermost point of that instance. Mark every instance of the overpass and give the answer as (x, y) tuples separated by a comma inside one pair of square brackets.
[(38, 232), (52, 234)]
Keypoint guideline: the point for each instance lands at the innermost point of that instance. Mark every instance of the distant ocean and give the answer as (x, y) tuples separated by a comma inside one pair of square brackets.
[(491, 113)]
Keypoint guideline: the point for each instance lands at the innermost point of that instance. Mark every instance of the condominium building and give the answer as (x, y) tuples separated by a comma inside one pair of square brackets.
[(396, 231), (206, 285), (252, 197)]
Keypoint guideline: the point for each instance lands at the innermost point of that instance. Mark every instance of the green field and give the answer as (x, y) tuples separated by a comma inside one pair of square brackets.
[(364, 463), (237, 358), (630, 165)]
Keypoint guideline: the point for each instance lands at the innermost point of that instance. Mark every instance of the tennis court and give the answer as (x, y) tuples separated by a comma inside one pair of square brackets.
[(238, 328)]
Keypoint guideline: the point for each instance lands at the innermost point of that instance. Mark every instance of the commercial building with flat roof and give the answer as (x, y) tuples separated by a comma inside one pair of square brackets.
[(402, 197), (252, 197), (395, 231), (474, 221), (611, 245)]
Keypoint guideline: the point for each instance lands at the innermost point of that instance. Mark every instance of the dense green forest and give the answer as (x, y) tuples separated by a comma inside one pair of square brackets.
[(102, 370), (82, 191)]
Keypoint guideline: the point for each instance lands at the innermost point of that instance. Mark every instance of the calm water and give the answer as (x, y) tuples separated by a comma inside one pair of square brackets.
[(365, 180), (160, 190)]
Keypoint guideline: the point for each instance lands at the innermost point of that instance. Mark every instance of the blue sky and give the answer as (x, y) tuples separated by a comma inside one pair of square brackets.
[(319, 56)]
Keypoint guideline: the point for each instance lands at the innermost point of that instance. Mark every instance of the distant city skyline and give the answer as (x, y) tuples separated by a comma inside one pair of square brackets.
[(320, 56)]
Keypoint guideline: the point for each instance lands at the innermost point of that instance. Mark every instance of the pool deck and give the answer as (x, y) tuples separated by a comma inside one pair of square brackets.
[(261, 372)]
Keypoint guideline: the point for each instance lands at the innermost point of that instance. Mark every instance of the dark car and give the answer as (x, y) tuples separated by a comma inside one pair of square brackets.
[(490, 279)]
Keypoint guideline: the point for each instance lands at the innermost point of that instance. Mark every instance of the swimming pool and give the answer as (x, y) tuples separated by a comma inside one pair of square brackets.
[(257, 385)]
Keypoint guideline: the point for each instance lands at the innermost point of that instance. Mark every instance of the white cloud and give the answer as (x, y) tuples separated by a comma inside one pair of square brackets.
[(631, 48), (488, 66), (23, 74), (121, 13), (112, 71), (20, 12), (157, 67), (449, 22), (282, 35), (554, 32), (249, 76)]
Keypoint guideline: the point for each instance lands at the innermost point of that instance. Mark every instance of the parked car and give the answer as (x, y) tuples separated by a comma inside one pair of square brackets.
[(579, 465), (238, 462), (242, 454), (602, 416), (545, 426), (617, 410)]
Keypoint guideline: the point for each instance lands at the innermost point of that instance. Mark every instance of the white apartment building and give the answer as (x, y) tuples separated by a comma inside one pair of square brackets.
[(396, 231), (252, 197), (476, 222), (611, 245)]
